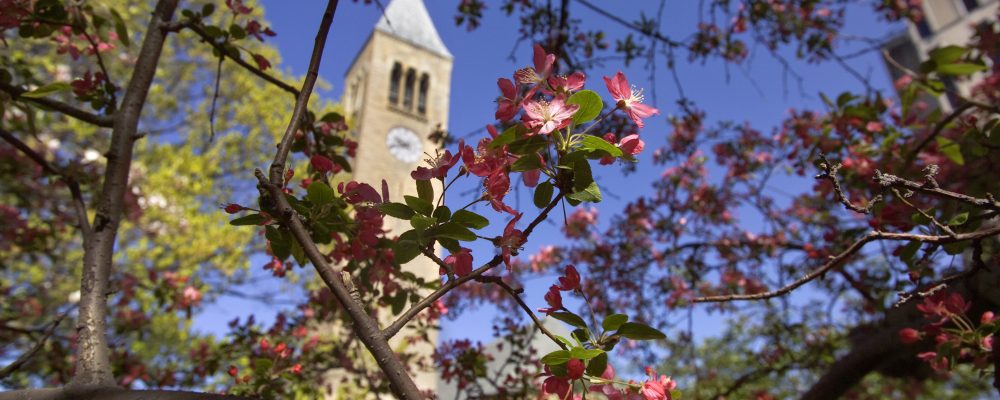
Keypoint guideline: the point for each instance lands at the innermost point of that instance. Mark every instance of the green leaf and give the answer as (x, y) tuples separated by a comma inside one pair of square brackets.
[(594, 143), (120, 28), (528, 145), (543, 194), (637, 331), (470, 219), (425, 191), (581, 353), (569, 318), (526, 163), (252, 219), (46, 90), (947, 54), (452, 230), (420, 222), (614, 321), (910, 250), (450, 244), (419, 205), (960, 69), (237, 32), (442, 213), (959, 219), (556, 357), (590, 105), (207, 9), (584, 187), (951, 150), (281, 244), (598, 364), (261, 366), (508, 136), (955, 248), (396, 210), (406, 250), (319, 193), (214, 31)]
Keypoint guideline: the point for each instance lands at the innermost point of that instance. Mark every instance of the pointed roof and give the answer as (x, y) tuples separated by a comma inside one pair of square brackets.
[(409, 21)]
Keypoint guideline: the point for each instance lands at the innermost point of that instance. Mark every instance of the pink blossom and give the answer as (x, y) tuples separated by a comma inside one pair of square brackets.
[(874, 126), (546, 117), (574, 369), (543, 68), (657, 388), (554, 299), (507, 103), (629, 99), (570, 281), (511, 240), (460, 262), (567, 84), (441, 164), (323, 164), (909, 335)]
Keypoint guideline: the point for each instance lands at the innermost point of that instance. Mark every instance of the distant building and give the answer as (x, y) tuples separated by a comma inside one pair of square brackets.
[(945, 22)]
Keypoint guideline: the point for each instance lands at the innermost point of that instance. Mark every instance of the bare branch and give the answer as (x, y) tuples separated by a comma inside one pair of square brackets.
[(15, 92), (74, 187), (239, 61), (106, 393), (6, 371), (830, 174), (835, 261), (515, 293)]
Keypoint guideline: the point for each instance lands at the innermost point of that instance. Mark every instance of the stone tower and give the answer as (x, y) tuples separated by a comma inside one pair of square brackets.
[(395, 94)]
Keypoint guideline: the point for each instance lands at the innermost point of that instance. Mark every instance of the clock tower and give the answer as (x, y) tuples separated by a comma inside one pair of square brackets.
[(395, 95)]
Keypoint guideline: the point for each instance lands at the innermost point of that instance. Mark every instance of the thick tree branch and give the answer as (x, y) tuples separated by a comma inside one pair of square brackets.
[(843, 256), (364, 325), (105, 393), (427, 301), (93, 366), (6, 371), (15, 92)]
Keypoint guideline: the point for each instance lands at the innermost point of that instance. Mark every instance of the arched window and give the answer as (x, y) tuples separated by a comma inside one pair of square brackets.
[(397, 73), (425, 82), (411, 77)]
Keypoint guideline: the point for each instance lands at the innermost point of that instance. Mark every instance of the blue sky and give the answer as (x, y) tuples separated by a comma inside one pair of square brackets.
[(757, 92)]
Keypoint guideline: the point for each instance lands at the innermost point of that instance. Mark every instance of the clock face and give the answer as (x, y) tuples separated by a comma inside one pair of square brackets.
[(404, 144)]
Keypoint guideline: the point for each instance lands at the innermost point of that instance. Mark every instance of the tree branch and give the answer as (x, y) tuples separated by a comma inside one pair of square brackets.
[(412, 312), (6, 371), (15, 92), (74, 187), (93, 366), (496, 280), (840, 258), (364, 325), (198, 30), (106, 393)]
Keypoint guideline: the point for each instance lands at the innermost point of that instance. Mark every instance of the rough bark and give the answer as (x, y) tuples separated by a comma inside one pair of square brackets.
[(93, 367)]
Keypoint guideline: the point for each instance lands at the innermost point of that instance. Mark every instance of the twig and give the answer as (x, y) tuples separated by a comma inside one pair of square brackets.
[(655, 35), (198, 30), (944, 228), (15, 92), (412, 312), (74, 187), (938, 128), (989, 203), (6, 371), (830, 174), (496, 280), (840, 258), (107, 75)]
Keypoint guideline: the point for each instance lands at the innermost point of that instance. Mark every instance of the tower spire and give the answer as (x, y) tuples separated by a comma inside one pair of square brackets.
[(408, 20)]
